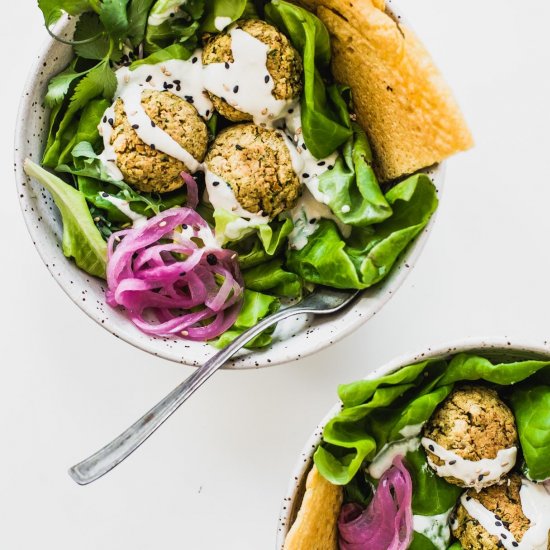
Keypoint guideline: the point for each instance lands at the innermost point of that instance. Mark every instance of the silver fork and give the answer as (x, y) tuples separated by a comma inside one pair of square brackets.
[(321, 302)]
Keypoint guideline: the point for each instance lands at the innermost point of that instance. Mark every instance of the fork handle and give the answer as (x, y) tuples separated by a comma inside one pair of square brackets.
[(127, 442)]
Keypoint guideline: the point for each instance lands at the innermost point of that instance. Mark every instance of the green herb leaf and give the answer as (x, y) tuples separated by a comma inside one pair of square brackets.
[(100, 81), (92, 42), (59, 85), (114, 17), (81, 238), (54, 9), (222, 10)]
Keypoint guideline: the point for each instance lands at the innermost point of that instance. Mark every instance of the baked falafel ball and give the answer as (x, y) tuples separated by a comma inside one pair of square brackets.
[(473, 423), (284, 63), (256, 163), (146, 168), (505, 503)]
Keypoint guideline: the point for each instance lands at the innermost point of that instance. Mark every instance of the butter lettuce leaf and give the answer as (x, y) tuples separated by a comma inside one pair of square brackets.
[(531, 406), (368, 256), (81, 238)]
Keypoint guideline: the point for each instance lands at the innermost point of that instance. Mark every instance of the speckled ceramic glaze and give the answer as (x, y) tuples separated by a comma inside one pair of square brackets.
[(303, 337), (492, 348)]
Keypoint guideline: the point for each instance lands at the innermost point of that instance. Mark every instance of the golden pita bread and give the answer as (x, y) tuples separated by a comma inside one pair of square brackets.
[(316, 526), (400, 98)]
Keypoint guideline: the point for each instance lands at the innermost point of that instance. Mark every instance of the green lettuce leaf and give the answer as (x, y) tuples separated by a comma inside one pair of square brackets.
[(352, 188), (227, 9), (271, 277), (175, 51), (138, 14), (81, 238), (181, 29), (256, 306), (323, 129), (376, 411), (371, 252), (531, 406)]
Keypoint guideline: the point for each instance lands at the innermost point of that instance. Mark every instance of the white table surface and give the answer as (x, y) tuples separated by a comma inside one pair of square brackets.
[(213, 477)]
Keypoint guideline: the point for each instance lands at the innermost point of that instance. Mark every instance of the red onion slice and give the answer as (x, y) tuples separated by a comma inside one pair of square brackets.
[(192, 190), (173, 278), (387, 523)]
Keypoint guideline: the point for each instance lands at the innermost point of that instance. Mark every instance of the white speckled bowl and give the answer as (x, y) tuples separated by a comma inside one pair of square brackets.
[(44, 224), (492, 348)]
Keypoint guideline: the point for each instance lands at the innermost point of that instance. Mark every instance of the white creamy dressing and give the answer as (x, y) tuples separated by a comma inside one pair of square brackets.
[(170, 8), (221, 22), (412, 430), (246, 83), (535, 502), (306, 215), (384, 459), (137, 219), (434, 528), (108, 156), (473, 473)]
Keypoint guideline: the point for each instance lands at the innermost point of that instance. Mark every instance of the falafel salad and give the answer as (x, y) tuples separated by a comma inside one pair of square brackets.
[(442, 454), (213, 160)]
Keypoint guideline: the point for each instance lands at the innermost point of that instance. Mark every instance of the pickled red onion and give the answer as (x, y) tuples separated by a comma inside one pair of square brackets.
[(192, 190), (173, 278), (387, 523)]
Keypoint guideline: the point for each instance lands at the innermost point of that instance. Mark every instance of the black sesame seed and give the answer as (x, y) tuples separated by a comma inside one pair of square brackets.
[(235, 89), (177, 81), (330, 167), (104, 195), (104, 119), (266, 79), (305, 175), (207, 112), (290, 111), (135, 126), (211, 259), (111, 121), (226, 65), (184, 226), (178, 88), (452, 462), (189, 98), (515, 544), (304, 147), (498, 523), (215, 183), (165, 85), (153, 123), (431, 447), (152, 146), (169, 86), (149, 78), (468, 498), (321, 163), (194, 60), (239, 147), (313, 220), (503, 536), (172, 14), (480, 477)]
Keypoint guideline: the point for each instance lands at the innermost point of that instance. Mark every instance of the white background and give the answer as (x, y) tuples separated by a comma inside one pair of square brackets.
[(214, 476)]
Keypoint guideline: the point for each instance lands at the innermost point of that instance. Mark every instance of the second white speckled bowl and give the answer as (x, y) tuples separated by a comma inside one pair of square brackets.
[(492, 348)]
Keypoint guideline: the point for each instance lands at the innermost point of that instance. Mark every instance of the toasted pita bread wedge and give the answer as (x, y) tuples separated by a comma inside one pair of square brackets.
[(400, 98), (316, 526)]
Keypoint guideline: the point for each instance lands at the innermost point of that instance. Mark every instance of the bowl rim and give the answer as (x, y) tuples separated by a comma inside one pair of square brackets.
[(371, 301), (302, 466)]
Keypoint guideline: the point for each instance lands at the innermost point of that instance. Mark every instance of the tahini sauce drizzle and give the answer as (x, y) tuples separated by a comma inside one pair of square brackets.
[(535, 502), (473, 473)]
